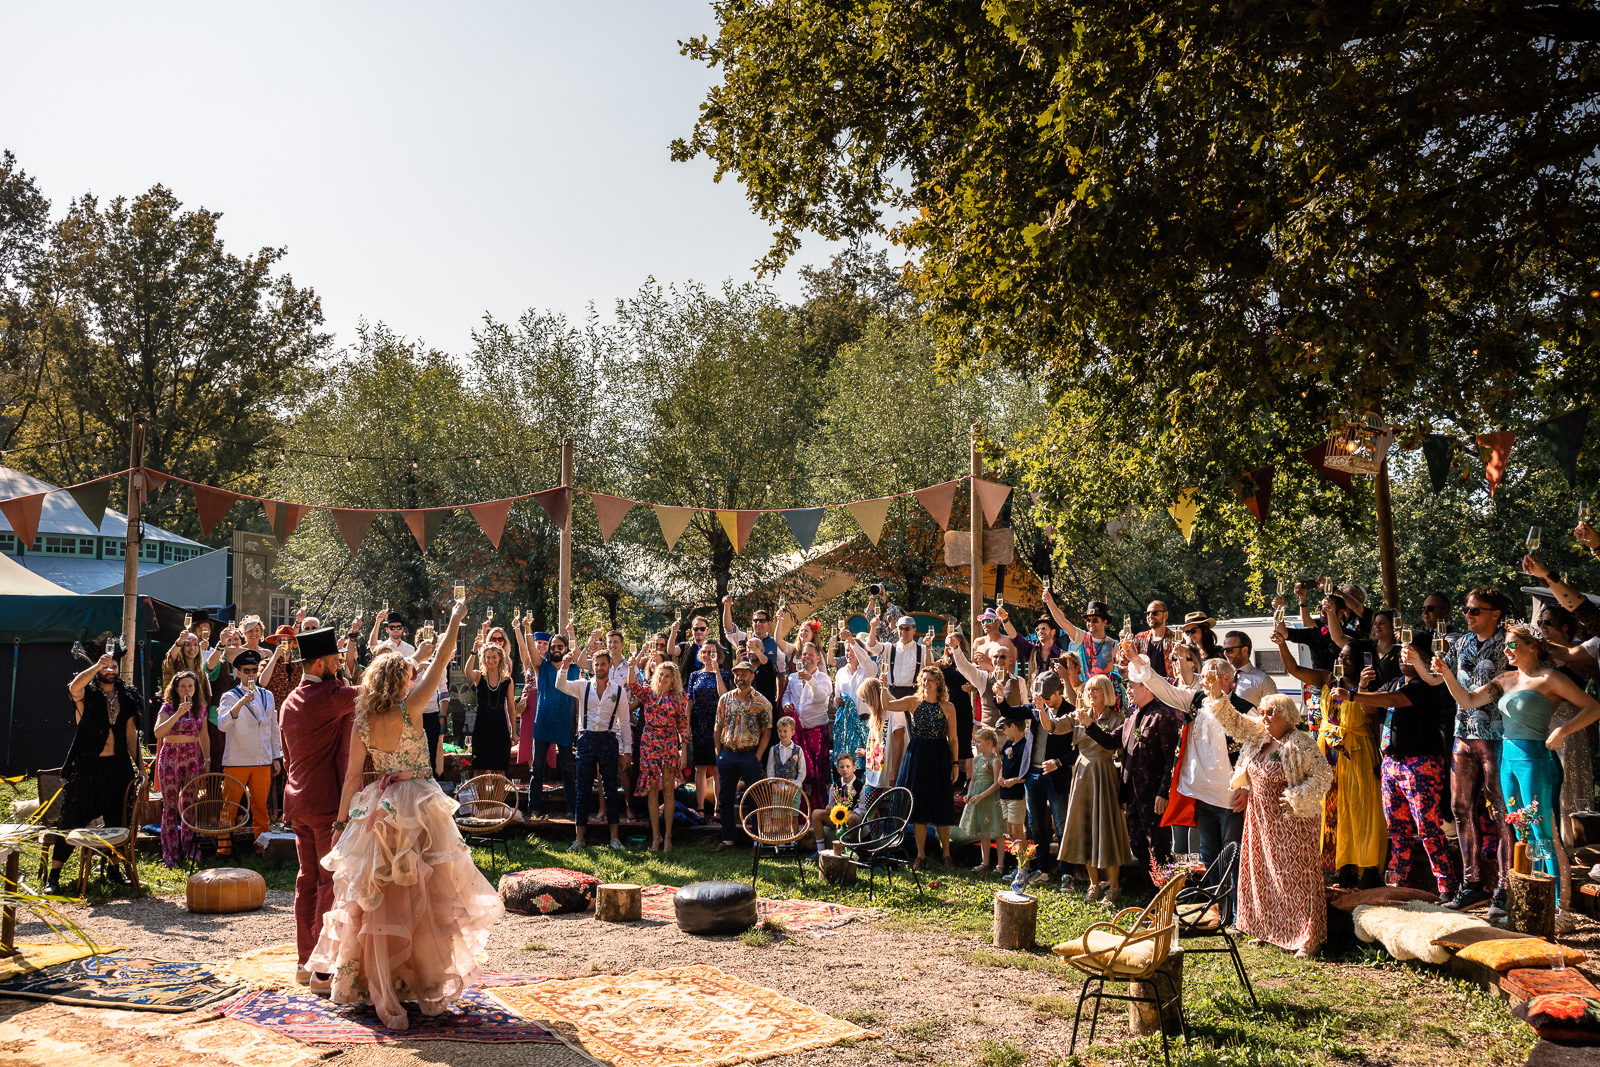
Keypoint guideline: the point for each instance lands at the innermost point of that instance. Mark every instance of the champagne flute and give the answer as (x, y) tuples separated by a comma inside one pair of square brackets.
[(460, 591), (385, 605), (1440, 646), (1338, 672), (1585, 510), (1406, 635), (188, 621)]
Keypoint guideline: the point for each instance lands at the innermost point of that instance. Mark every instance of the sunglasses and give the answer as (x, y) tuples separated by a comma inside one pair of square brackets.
[(1153, 614), (1511, 645), (759, 618), (1426, 608), (699, 629), (1476, 611), (1093, 618), (1190, 631)]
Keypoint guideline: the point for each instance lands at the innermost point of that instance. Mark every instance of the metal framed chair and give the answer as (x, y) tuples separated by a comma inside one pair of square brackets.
[(112, 843), (1112, 952), (878, 841), (488, 803), (1200, 909), (213, 807), (775, 813)]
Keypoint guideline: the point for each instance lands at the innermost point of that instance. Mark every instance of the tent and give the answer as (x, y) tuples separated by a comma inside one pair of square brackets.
[(17, 580)]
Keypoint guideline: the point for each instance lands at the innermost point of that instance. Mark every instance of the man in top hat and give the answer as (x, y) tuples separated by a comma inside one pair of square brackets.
[(315, 725), (248, 714), (389, 635), (1096, 651)]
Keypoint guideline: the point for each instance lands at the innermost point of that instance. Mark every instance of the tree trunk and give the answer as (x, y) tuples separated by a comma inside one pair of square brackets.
[(1016, 919), (617, 902), (1531, 904), (1143, 1018)]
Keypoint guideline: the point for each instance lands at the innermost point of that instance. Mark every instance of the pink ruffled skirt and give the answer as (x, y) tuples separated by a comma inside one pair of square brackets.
[(411, 912)]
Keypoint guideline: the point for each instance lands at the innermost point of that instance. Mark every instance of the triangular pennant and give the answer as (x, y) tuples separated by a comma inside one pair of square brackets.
[(1498, 445), (737, 525), (610, 510), (673, 522), (1035, 496), (491, 518), (870, 515), (1183, 512), (1381, 446), (1436, 449), (803, 523), (23, 515), (92, 499), (992, 495), (1318, 456), (211, 505), (352, 525), (283, 517), (425, 523), (1258, 484), (1563, 435), (153, 481), (938, 499), (557, 503)]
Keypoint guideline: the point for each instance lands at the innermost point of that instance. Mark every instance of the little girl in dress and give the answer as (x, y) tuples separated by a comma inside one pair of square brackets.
[(981, 818)]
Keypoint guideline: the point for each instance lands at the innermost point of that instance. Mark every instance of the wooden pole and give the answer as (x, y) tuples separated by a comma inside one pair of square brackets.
[(1386, 561), (975, 600), (130, 560), (564, 591)]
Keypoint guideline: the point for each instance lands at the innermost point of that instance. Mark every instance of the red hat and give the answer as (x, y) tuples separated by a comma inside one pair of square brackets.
[(283, 631)]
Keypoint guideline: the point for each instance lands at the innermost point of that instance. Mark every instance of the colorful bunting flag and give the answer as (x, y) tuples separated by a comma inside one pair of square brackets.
[(1497, 447), (424, 523), (738, 525), (491, 518), (938, 499), (1436, 449), (1183, 512), (1255, 489), (803, 523), (211, 505), (673, 522), (992, 495), (557, 504), (1318, 457), (610, 510), (283, 517), (1563, 435), (23, 514), (92, 499), (353, 524), (870, 514)]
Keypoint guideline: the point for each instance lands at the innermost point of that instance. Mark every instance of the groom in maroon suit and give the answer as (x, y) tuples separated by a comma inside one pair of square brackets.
[(315, 720)]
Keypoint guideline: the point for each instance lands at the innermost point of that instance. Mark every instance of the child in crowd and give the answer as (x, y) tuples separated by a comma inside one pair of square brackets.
[(846, 791), (787, 760), (1015, 755), (982, 818)]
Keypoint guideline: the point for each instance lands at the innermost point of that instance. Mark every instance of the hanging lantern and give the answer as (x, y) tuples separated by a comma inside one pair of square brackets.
[(1354, 446)]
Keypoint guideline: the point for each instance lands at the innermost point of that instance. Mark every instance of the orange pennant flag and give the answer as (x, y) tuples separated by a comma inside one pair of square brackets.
[(937, 499), (1498, 446), (353, 524), (738, 525), (610, 510), (557, 503), (211, 505), (673, 522), (870, 514), (992, 495), (491, 518), (23, 515), (424, 523), (283, 517)]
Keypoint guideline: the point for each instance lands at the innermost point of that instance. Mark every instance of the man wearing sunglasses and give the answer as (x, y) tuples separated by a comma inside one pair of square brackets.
[(1157, 641), (760, 648), (1476, 657)]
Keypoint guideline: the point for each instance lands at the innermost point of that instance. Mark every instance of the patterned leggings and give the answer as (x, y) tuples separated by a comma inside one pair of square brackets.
[(1413, 806), (1483, 838)]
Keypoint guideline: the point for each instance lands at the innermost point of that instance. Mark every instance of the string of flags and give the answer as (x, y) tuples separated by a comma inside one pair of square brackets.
[(213, 504)]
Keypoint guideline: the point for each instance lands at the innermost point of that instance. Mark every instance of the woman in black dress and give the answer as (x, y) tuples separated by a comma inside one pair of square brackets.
[(492, 733), (930, 766), (961, 693)]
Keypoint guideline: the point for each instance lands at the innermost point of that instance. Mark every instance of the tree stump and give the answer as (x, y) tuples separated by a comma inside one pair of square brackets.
[(1143, 1018), (617, 902), (1016, 919), (1531, 904), (836, 869)]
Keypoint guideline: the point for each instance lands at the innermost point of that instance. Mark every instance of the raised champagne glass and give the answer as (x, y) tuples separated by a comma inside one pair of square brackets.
[(1585, 511), (460, 591)]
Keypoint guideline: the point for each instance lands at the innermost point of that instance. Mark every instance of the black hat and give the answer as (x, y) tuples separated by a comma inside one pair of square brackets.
[(1017, 713), (394, 618), (1097, 607), (247, 657), (314, 644)]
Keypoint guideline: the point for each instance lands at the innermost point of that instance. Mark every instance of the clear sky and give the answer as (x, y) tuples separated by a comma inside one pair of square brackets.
[(422, 163)]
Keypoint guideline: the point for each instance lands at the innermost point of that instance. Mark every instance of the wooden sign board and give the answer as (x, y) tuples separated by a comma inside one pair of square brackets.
[(999, 546)]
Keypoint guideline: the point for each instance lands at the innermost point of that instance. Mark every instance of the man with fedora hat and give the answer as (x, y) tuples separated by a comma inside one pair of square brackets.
[(743, 728), (1096, 652), (315, 726)]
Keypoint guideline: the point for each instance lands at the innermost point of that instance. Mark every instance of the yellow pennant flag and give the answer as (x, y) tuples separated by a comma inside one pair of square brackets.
[(673, 522), (738, 525), (1183, 511), (871, 514)]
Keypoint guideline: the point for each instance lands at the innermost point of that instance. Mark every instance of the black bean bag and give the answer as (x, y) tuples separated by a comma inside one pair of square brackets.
[(715, 907), (547, 890)]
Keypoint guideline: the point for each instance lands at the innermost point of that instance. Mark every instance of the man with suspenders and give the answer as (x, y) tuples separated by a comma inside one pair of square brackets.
[(605, 735), (905, 659)]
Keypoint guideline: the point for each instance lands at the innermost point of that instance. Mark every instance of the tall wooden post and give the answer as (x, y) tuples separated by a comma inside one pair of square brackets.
[(564, 578), (1386, 560), (130, 559), (975, 601)]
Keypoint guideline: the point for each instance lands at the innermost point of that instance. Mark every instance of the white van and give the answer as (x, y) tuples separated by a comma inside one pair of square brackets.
[(1265, 651)]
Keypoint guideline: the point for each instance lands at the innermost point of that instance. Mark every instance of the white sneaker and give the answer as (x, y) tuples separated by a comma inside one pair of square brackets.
[(616, 843), (576, 846)]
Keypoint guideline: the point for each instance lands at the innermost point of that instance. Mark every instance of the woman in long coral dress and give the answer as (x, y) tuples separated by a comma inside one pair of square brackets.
[(410, 909)]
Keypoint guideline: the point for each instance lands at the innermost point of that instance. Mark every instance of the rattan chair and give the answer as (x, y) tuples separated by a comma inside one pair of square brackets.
[(775, 814), (112, 843), (1200, 909), (1112, 952), (878, 841), (213, 807), (488, 803)]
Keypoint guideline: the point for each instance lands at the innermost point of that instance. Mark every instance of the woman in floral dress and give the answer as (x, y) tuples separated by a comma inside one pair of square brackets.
[(184, 752), (664, 745)]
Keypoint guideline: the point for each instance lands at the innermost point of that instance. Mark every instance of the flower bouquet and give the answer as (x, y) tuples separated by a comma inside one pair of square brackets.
[(1162, 873), (1523, 820)]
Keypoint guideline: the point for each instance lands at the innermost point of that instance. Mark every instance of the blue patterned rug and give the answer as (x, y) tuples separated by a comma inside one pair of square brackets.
[(135, 983)]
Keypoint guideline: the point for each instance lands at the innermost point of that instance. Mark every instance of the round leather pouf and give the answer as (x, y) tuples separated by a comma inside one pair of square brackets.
[(225, 891), (547, 891), (715, 907)]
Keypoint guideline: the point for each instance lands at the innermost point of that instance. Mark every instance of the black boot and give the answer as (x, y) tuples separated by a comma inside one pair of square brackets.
[(52, 885), (113, 874)]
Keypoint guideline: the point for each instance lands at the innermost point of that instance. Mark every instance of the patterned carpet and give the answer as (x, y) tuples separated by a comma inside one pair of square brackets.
[(795, 916), (693, 1016), (37, 955), (56, 1035), (134, 982)]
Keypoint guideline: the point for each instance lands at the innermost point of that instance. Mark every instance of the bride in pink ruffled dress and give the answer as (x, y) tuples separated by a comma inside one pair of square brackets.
[(411, 911)]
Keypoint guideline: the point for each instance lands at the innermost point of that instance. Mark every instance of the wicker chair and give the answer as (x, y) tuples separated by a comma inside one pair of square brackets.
[(113, 843), (213, 807), (775, 813), (488, 803), (878, 841), (1110, 951), (1200, 909)]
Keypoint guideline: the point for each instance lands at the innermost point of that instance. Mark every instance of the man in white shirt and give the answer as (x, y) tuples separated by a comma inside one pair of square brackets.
[(903, 659), (389, 635), (1249, 681), (605, 735), (249, 716), (809, 698)]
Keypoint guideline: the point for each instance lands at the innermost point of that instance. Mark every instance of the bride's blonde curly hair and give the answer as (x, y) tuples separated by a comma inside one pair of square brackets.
[(385, 684)]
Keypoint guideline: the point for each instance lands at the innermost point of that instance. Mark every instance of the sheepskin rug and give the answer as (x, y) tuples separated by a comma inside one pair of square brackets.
[(1405, 930)]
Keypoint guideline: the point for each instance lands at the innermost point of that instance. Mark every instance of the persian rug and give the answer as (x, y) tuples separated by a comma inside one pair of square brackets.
[(693, 1016), (795, 916), (313, 1019), (37, 955), (134, 982), (58, 1035)]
